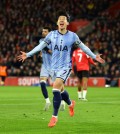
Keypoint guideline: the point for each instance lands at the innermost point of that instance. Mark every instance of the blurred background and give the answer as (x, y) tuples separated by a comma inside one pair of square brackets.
[(95, 21)]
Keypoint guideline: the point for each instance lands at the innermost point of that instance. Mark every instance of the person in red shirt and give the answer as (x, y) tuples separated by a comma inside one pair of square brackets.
[(81, 61)]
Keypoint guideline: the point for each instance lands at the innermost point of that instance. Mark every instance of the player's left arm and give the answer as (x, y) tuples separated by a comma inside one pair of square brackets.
[(88, 51)]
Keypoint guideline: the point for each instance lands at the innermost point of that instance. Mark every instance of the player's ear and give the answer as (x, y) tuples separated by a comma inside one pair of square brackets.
[(68, 23)]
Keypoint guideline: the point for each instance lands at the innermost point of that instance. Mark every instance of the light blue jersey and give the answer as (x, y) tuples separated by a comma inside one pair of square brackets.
[(61, 48), (46, 56), (61, 45)]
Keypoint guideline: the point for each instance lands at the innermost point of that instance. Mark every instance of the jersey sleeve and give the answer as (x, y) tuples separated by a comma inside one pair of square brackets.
[(48, 38), (41, 40), (37, 49), (84, 47)]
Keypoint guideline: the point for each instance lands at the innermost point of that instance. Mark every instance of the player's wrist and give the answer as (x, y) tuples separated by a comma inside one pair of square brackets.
[(94, 57), (27, 55)]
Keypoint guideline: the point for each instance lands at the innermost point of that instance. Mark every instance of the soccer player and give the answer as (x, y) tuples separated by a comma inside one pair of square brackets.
[(45, 68), (82, 61), (62, 41)]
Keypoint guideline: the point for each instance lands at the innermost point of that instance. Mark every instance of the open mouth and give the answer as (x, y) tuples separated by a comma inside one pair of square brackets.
[(61, 24)]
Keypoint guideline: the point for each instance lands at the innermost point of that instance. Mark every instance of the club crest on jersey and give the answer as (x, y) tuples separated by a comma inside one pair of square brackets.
[(61, 48)]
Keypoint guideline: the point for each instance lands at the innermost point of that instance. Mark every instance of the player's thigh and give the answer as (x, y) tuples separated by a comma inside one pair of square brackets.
[(58, 84), (62, 89)]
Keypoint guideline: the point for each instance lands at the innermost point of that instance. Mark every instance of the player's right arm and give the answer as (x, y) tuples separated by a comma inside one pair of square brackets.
[(38, 48), (88, 51), (42, 45)]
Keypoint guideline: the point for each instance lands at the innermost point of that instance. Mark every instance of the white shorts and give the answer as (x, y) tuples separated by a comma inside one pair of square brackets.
[(45, 72), (62, 73)]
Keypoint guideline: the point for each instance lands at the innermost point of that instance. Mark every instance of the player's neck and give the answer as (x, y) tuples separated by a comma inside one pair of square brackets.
[(62, 31)]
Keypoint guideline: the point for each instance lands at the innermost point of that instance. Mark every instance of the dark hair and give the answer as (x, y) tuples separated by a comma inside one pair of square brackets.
[(63, 13), (74, 47), (48, 28)]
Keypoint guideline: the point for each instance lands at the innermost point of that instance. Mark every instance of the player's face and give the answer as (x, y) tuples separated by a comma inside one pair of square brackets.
[(62, 22), (45, 33)]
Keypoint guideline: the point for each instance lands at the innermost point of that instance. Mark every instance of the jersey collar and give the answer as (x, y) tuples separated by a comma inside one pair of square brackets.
[(63, 34)]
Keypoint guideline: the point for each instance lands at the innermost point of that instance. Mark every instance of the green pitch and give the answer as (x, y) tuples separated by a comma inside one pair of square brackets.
[(21, 112)]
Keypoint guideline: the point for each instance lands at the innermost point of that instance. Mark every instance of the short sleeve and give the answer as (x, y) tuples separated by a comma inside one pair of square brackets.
[(76, 38), (48, 38)]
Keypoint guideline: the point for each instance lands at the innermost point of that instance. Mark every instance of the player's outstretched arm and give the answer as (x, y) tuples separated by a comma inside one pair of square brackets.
[(90, 53), (37, 49), (22, 56)]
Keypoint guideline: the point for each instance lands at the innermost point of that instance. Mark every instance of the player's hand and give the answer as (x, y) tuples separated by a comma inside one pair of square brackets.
[(49, 51), (72, 73), (99, 59), (40, 54), (22, 56)]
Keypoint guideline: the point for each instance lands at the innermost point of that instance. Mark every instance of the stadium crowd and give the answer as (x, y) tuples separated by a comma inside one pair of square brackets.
[(105, 39), (21, 23)]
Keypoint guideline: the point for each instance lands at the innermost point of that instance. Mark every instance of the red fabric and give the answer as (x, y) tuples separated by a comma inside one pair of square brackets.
[(81, 59), (114, 9), (77, 24)]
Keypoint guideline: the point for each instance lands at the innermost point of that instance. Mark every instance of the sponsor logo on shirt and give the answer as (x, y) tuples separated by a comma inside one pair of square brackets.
[(61, 48)]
